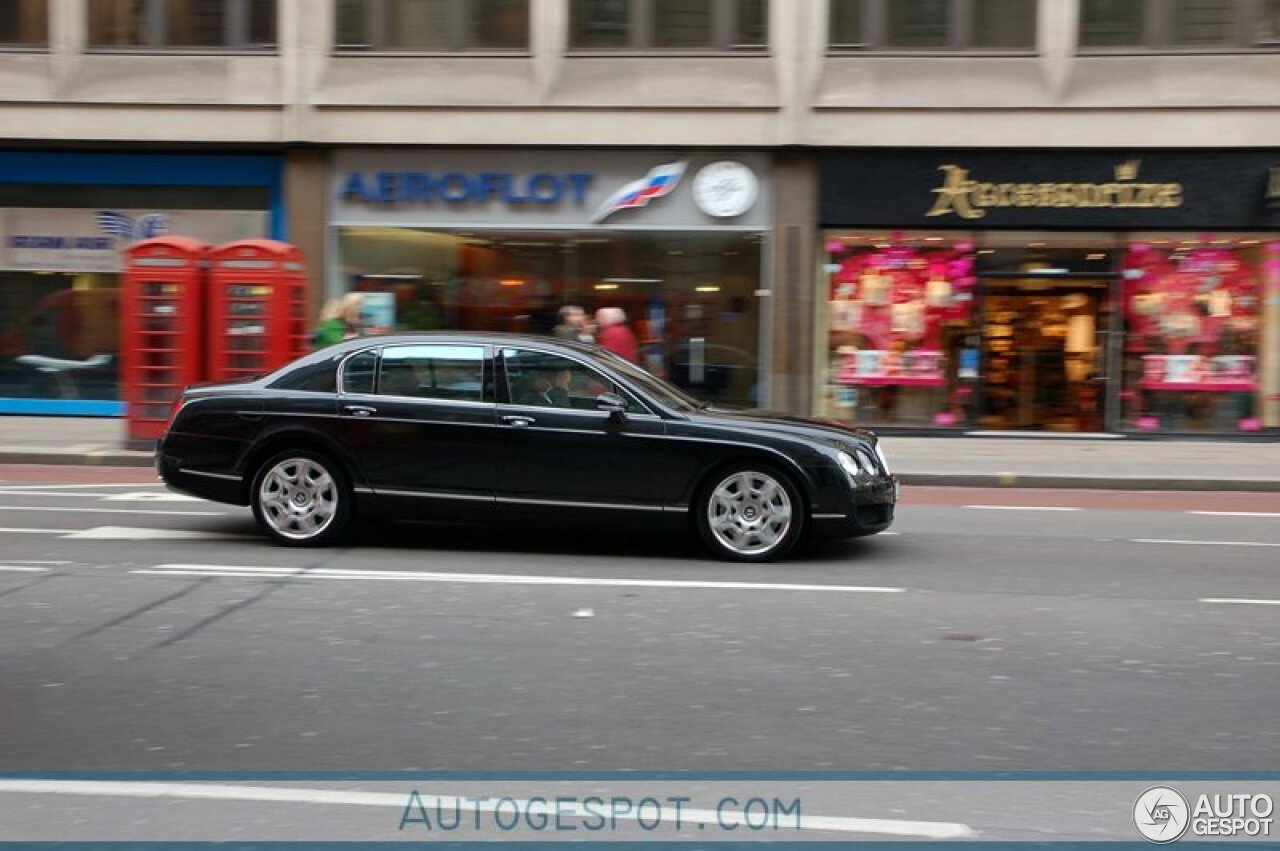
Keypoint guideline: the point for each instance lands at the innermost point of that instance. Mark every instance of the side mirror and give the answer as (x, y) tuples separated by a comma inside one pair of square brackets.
[(613, 403)]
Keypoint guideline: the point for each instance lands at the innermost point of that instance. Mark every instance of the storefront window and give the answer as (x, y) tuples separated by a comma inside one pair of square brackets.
[(901, 348), (689, 297), (1194, 314)]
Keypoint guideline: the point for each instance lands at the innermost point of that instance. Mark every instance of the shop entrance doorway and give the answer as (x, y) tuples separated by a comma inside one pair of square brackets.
[(1045, 353)]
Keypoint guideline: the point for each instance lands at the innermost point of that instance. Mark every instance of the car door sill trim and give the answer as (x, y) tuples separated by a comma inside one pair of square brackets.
[(224, 476)]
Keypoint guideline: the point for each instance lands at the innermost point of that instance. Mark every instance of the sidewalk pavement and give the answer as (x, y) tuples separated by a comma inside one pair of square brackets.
[(1032, 461)]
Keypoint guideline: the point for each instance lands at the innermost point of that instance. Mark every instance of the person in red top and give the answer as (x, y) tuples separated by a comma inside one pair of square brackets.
[(614, 334)]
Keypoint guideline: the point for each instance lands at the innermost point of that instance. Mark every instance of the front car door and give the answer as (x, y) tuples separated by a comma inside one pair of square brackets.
[(558, 451), (419, 420)]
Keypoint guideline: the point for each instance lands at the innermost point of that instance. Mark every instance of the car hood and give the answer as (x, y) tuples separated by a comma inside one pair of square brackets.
[(832, 433)]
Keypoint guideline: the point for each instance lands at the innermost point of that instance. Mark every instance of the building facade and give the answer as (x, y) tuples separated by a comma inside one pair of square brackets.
[(855, 118)]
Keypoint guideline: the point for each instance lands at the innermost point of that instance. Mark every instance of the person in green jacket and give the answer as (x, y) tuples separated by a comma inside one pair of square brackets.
[(340, 320)]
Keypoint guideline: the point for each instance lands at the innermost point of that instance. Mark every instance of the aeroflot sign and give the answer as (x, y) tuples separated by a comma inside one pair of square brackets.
[(464, 187)]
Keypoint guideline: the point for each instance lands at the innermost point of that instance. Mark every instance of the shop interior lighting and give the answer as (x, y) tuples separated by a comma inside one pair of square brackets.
[(933, 239), (1095, 257), (709, 288), (632, 280), (511, 282), (606, 286), (1250, 241)]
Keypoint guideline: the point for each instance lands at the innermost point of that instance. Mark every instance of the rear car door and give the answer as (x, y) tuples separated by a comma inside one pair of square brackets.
[(419, 420)]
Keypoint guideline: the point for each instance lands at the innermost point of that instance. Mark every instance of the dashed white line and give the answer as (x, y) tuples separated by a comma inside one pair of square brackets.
[(142, 533), (13, 568), (1024, 508), (82, 486), (1236, 513), (30, 561), (1241, 601), (250, 572)]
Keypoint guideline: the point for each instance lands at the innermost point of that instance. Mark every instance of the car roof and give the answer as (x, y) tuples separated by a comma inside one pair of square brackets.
[(496, 338)]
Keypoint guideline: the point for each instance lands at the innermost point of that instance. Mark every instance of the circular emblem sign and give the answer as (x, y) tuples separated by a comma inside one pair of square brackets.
[(725, 189), (1161, 814)]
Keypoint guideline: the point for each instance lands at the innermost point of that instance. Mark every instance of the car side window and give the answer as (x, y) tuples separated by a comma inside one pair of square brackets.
[(448, 372), (359, 371), (550, 381)]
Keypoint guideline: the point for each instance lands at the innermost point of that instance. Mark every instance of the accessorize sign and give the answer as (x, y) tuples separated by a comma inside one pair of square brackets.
[(1218, 190)]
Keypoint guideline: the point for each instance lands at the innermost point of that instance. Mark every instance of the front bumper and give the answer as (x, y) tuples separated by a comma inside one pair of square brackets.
[(867, 506)]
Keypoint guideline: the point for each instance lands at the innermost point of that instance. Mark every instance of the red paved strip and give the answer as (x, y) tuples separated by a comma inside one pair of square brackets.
[(74, 474), (1097, 499)]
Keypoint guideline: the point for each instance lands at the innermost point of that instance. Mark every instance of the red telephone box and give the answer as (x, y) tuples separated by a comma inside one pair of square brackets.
[(257, 308), (162, 309)]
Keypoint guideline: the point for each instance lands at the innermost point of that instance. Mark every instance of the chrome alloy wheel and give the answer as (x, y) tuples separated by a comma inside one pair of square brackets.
[(749, 513), (298, 498)]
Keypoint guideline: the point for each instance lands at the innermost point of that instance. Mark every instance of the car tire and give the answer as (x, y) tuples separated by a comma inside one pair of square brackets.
[(301, 498), (750, 512)]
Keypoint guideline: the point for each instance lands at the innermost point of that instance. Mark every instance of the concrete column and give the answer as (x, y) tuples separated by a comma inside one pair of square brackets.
[(306, 200), (1058, 27), (1269, 341), (793, 283), (68, 38), (548, 41), (306, 43), (797, 46)]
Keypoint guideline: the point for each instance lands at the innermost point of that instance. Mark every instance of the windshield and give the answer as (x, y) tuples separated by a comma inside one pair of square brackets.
[(667, 394)]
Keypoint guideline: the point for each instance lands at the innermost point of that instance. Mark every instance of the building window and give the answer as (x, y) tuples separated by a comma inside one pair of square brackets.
[(933, 25), (24, 23), (715, 25), (183, 24), (1190, 25), (432, 26)]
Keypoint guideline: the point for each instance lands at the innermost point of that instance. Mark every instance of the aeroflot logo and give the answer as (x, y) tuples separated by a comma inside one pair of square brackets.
[(542, 188)]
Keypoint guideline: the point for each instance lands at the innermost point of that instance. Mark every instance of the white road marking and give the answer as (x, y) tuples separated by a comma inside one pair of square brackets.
[(145, 496), (82, 486), (21, 531), (142, 533), (111, 510), (1024, 508), (1236, 513), (29, 561), (1240, 601), (491, 578), (13, 568), (1204, 543), (468, 803)]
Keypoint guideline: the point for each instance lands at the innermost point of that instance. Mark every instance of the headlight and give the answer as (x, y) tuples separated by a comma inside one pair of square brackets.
[(884, 462), (849, 464)]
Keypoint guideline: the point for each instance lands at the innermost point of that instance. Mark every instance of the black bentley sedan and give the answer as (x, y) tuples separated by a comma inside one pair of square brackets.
[(502, 429)]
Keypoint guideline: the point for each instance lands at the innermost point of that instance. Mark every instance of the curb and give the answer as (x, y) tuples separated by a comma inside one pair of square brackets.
[(98, 458), (1131, 483), (130, 458)]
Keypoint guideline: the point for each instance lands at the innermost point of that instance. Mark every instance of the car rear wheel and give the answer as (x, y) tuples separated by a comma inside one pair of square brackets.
[(301, 499), (750, 513)]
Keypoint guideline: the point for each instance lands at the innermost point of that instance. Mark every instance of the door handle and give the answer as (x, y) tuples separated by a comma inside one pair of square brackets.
[(517, 421), (360, 410)]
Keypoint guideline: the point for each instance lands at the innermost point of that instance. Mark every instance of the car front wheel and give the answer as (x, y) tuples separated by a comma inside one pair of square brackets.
[(301, 499), (750, 513)]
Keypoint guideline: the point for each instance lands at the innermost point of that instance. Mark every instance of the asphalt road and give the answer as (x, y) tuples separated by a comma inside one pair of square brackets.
[(1076, 631)]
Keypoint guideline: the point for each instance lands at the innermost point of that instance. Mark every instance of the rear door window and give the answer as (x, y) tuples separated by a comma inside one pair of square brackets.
[(452, 373)]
